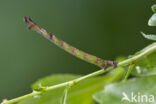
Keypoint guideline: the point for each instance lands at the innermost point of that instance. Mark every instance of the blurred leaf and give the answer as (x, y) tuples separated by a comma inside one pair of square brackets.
[(81, 93), (120, 59), (113, 94), (152, 20), (150, 37), (146, 66), (154, 8)]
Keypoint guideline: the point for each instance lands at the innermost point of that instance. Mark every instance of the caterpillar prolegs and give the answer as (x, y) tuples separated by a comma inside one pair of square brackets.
[(68, 48)]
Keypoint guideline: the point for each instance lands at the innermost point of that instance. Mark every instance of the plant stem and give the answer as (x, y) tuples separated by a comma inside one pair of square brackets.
[(72, 82), (20, 98), (65, 94), (128, 72), (146, 51)]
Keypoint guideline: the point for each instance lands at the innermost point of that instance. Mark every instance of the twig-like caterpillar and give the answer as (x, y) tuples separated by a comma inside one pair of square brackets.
[(68, 48)]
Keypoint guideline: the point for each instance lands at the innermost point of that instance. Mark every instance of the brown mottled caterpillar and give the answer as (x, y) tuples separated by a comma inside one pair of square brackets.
[(68, 48)]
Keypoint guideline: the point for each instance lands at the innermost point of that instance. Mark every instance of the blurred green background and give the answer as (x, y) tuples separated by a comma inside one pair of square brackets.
[(105, 28)]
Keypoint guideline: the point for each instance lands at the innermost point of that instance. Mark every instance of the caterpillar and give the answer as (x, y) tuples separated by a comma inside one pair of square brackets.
[(68, 48)]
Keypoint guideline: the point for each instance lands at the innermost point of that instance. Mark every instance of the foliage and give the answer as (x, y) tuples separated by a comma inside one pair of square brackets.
[(113, 93), (78, 94), (151, 36), (146, 66)]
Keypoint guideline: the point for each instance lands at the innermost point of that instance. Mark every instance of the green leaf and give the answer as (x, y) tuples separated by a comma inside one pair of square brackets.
[(146, 66), (154, 8), (114, 93), (152, 20), (150, 37), (81, 93)]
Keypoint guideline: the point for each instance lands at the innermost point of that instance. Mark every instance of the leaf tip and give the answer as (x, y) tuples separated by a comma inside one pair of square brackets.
[(152, 20), (150, 37), (154, 8), (143, 34)]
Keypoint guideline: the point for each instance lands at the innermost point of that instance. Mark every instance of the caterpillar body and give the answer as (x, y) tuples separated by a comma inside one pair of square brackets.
[(68, 48)]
